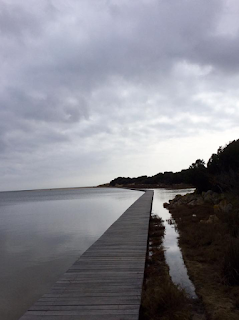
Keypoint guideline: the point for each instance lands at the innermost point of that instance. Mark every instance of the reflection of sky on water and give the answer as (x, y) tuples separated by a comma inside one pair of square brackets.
[(173, 255), (43, 232)]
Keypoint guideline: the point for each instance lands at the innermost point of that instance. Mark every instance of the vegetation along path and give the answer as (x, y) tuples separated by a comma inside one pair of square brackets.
[(106, 281)]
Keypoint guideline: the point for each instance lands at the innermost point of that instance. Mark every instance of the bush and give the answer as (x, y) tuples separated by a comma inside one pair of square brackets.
[(231, 219), (226, 181)]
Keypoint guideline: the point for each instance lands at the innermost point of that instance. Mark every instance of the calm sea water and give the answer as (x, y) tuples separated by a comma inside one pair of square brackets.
[(173, 254), (43, 232)]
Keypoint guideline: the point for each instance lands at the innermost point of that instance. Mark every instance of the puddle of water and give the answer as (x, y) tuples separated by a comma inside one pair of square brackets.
[(173, 255)]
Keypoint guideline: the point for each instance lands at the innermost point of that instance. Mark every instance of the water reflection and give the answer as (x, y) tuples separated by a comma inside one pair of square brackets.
[(43, 232), (173, 255)]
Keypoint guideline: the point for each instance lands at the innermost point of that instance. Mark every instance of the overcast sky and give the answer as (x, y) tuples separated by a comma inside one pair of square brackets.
[(95, 89)]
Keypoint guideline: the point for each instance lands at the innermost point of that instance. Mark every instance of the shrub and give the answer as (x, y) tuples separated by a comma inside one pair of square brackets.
[(226, 181), (163, 300), (231, 263), (231, 219)]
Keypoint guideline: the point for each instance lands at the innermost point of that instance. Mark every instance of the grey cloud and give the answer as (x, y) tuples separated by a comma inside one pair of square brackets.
[(220, 52), (26, 19), (48, 108), (17, 142), (90, 81), (16, 21), (155, 35)]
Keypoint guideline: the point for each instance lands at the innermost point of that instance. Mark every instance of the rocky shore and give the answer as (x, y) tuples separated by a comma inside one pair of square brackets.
[(218, 201), (150, 186)]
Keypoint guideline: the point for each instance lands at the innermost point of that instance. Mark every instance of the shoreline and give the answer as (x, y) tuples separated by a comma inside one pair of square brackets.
[(206, 249), (49, 189), (107, 185), (154, 186)]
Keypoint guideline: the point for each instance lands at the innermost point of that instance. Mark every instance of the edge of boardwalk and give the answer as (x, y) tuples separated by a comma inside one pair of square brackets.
[(106, 281)]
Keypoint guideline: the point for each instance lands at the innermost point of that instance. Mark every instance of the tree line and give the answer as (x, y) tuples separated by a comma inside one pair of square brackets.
[(220, 174)]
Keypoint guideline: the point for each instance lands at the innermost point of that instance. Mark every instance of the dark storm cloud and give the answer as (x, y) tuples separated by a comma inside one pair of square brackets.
[(94, 79)]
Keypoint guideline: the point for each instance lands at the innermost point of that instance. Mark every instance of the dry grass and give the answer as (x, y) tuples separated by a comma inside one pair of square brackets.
[(163, 300), (211, 254)]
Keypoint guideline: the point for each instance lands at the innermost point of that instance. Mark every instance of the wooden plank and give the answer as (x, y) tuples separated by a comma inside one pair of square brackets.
[(85, 307), (106, 281), (93, 302), (76, 317), (48, 297), (83, 312)]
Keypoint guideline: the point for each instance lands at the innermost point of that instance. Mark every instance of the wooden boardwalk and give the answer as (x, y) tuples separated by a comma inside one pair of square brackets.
[(106, 281)]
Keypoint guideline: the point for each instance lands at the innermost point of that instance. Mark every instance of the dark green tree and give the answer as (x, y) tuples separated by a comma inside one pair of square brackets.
[(199, 176)]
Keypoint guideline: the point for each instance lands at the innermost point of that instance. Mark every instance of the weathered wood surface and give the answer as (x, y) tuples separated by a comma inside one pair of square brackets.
[(106, 281)]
